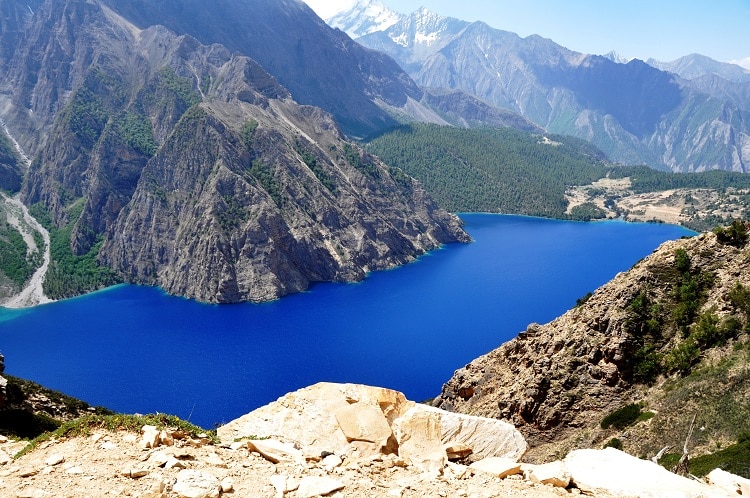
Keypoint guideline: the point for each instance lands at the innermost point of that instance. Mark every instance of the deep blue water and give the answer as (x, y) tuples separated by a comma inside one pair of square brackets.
[(136, 349)]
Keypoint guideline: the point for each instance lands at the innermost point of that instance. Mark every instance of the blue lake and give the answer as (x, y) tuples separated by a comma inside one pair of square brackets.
[(136, 349)]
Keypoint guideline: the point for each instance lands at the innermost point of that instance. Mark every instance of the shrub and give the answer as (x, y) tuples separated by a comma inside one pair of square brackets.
[(614, 443), (623, 417)]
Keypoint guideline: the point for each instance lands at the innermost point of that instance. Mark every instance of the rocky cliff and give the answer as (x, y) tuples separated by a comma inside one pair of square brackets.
[(669, 334), (190, 167)]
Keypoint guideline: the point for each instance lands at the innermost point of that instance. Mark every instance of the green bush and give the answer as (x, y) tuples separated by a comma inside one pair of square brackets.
[(623, 417), (614, 443)]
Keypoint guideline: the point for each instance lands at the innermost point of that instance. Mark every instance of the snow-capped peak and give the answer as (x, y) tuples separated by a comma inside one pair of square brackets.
[(615, 57), (365, 17)]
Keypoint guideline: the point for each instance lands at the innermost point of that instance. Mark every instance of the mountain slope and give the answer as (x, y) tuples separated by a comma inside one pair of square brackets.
[(670, 334), (364, 17), (190, 167), (695, 66), (633, 112)]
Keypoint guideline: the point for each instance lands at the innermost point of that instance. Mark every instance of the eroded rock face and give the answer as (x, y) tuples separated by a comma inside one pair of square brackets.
[(557, 380)]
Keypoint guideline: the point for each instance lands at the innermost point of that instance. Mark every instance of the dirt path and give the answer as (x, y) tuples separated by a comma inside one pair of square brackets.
[(19, 217)]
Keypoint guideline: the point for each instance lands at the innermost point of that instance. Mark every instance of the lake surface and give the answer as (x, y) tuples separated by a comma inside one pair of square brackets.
[(136, 349)]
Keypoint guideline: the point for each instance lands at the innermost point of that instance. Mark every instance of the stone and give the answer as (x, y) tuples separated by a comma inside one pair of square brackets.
[(174, 463), (74, 471), (331, 462), (215, 460), (611, 471), (165, 438), (283, 484), (149, 436), (107, 445), (457, 451), (418, 433), (363, 422), (28, 472), (311, 486), (195, 484), (315, 406), (227, 485), (553, 473), (487, 437), (5, 458), (497, 466), (54, 459), (32, 493), (729, 482), (159, 458), (276, 451), (134, 472)]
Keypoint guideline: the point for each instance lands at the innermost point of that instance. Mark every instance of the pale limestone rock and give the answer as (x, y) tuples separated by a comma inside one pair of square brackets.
[(166, 438), (5, 458), (363, 422), (331, 462), (311, 486), (418, 433), (54, 459), (276, 451), (155, 491), (729, 482), (159, 458), (149, 436), (283, 484), (227, 485), (612, 471), (173, 463), (215, 461), (107, 445), (497, 466), (552, 473), (294, 414), (457, 451), (487, 437), (457, 470), (134, 472), (74, 471), (196, 484), (32, 493)]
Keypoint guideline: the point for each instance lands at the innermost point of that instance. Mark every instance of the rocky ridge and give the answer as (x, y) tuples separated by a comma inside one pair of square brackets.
[(635, 340), (353, 422)]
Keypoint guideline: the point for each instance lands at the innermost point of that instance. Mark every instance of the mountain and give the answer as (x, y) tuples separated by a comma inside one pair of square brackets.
[(364, 17), (695, 66), (633, 112), (663, 341), (190, 167)]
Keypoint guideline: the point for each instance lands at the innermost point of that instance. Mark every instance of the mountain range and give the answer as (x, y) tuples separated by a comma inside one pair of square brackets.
[(684, 116), (187, 165)]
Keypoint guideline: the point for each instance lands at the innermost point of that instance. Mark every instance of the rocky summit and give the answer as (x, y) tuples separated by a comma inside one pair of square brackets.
[(340, 440)]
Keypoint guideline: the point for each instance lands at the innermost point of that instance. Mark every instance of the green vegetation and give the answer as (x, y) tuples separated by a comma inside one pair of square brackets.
[(614, 443), (68, 274), (587, 211), (316, 167), (624, 417), (490, 169), (136, 131), (734, 459), (83, 426), (248, 133), (645, 179), (15, 263), (233, 215), (363, 162), (263, 172), (735, 234)]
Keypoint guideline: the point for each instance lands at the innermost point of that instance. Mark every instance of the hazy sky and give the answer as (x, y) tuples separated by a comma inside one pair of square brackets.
[(663, 29)]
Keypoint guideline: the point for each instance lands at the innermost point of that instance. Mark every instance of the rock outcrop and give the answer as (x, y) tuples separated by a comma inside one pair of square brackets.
[(679, 306)]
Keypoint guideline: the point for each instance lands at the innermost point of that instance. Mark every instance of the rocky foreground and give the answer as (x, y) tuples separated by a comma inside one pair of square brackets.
[(334, 440)]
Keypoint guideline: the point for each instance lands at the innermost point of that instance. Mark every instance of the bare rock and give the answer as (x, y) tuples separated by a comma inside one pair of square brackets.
[(196, 484), (311, 486), (363, 422), (54, 459), (552, 473), (149, 436), (497, 466), (276, 451), (613, 472), (418, 433), (733, 484), (457, 451)]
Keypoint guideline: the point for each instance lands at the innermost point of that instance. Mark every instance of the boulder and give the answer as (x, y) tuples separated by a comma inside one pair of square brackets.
[(487, 437), (195, 484), (457, 451), (308, 416), (418, 433), (553, 473), (276, 451), (497, 466), (149, 436), (729, 482), (611, 471), (363, 422)]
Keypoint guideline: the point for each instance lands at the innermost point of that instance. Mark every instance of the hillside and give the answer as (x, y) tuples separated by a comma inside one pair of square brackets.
[(670, 334), (158, 160)]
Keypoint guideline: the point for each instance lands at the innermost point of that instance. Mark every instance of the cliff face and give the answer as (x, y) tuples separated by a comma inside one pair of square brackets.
[(640, 338), (191, 168)]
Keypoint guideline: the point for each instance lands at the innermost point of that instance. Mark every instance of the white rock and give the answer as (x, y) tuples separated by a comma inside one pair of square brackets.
[(107, 445), (619, 474), (363, 422), (174, 463), (729, 482), (159, 458), (149, 436), (4, 458), (418, 433), (294, 414), (311, 486), (227, 485), (54, 459), (457, 451), (331, 462), (487, 437), (553, 473), (283, 484), (497, 466), (196, 484), (166, 438), (276, 451), (74, 471)]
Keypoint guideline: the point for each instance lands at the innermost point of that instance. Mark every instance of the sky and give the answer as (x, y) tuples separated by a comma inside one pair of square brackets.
[(662, 29)]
